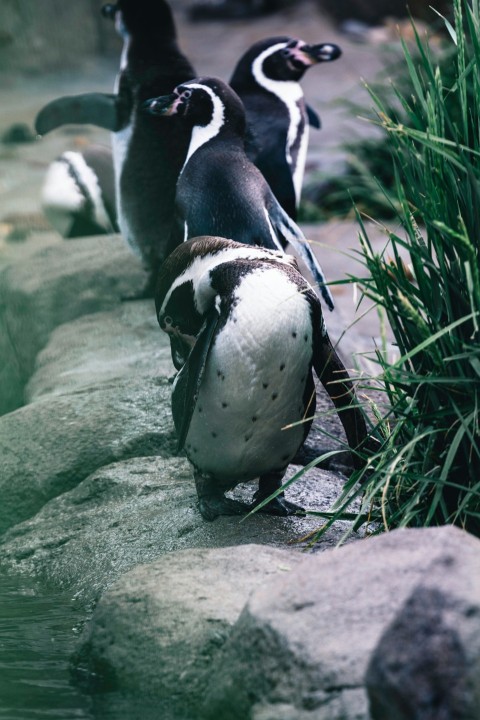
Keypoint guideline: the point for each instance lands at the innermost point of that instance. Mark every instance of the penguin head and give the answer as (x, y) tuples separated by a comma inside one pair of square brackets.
[(179, 318), (141, 18), (109, 10), (202, 102), (281, 59), (183, 292)]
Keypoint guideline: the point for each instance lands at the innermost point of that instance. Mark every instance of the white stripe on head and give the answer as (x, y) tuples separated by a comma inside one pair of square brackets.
[(201, 134), (288, 91), (198, 271)]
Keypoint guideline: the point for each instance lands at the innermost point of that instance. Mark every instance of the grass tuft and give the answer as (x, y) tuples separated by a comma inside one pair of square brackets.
[(426, 470)]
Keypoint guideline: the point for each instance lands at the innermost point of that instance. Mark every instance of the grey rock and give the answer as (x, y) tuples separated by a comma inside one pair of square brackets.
[(345, 704), (157, 629), (310, 634), (50, 446), (139, 509), (426, 665), (123, 343), (52, 287)]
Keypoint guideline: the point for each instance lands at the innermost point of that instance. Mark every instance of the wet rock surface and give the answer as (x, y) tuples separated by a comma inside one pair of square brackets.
[(304, 640), (58, 284), (134, 511)]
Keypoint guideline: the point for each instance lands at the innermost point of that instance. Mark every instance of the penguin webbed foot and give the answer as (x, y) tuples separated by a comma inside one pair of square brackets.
[(212, 502), (214, 505), (278, 506)]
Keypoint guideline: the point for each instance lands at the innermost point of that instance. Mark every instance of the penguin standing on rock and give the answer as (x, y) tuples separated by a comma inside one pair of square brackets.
[(148, 154), (266, 79), (219, 191), (246, 330)]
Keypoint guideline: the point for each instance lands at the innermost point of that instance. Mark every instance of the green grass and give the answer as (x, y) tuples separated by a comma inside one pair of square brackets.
[(425, 469), (368, 181)]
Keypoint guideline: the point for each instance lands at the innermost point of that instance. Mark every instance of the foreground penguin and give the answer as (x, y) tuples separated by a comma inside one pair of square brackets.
[(266, 79), (78, 193), (219, 191), (245, 330), (148, 156)]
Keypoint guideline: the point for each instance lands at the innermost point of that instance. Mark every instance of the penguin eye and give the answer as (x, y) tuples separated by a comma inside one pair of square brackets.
[(166, 322), (187, 94), (285, 52)]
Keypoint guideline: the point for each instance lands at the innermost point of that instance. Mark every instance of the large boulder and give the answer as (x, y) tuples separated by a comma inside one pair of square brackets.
[(427, 662), (157, 630), (123, 343), (51, 287), (304, 640), (51, 445)]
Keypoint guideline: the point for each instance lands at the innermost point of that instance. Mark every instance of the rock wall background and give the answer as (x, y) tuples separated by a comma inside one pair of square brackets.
[(42, 35)]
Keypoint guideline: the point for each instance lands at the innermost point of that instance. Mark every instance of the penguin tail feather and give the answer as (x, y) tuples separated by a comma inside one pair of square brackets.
[(292, 234)]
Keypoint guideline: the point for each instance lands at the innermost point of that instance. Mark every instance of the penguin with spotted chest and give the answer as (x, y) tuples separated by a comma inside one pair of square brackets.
[(220, 192), (267, 80), (246, 330)]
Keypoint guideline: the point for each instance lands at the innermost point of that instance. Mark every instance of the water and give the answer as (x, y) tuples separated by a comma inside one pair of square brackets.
[(39, 630)]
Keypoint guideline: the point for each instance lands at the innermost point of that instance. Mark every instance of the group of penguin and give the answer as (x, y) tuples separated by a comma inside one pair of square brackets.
[(204, 182)]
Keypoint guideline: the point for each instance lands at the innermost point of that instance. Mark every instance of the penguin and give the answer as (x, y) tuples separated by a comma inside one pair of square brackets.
[(246, 330), (219, 191), (267, 80), (148, 154), (78, 193)]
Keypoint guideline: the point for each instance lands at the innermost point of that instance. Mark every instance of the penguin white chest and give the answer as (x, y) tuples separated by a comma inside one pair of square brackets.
[(120, 144), (254, 383)]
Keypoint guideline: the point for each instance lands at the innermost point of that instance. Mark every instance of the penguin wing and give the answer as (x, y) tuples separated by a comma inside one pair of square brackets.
[(189, 379), (289, 232), (334, 377), (90, 108), (313, 118)]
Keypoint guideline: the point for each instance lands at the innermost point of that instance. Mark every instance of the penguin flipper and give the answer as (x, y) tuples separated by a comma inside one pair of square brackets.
[(188, 381), (291, 233), (98, 109), (334, 377), (313, 118)]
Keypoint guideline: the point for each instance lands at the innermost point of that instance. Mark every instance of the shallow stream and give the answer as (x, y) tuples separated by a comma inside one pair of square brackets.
[(39, 631), (39, 628)]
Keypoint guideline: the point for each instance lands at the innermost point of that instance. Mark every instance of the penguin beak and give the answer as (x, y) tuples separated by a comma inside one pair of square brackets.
[(162, 105), (109, 11), (325, 52), (180, 349)]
